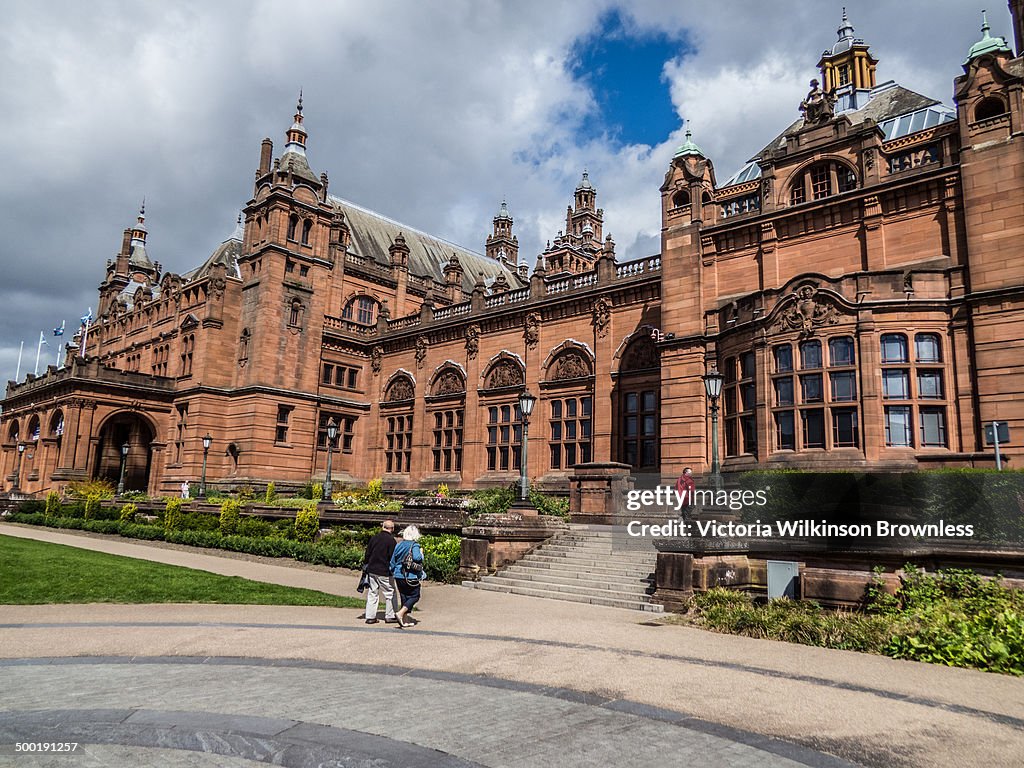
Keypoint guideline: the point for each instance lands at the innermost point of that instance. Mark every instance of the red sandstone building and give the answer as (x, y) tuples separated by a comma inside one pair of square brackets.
[(859, 283)]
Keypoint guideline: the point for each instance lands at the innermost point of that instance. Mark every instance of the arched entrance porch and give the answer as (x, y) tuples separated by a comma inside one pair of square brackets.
[(138, 433)]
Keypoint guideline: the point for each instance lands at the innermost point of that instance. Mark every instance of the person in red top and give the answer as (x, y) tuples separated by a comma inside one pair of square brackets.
[(685, 488)]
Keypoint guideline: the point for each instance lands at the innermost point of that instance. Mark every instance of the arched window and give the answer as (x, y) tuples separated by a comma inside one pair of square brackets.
[(397, 416), (293, 226), (681, 198), (13, 433), (822, 180), (307, 226), (991, 106), (295, 313), (57, 424), (361, 309), (243, 347)]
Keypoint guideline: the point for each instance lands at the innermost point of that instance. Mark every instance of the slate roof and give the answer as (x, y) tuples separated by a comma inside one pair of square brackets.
[(227, 253), (373, 234), (888, 102)]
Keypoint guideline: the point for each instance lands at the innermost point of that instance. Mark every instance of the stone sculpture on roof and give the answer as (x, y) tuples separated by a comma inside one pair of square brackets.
[(819, 106)]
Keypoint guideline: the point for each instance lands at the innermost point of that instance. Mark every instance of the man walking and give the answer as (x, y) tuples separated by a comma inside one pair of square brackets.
[(377, 564)]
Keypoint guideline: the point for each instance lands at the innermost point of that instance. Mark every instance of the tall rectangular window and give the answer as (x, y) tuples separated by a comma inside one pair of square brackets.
[(844, 428), (570, 430), (447, 445), (398, 448), (897, 426), (504, 437), (933, 427), (281, 432), (785, 434), (813, 424)]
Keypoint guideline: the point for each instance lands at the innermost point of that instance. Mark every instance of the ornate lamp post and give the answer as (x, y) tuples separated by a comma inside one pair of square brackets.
[(124, 463), (332, 434), (207, 440), (526, 403), (713, 387), (16, 485)]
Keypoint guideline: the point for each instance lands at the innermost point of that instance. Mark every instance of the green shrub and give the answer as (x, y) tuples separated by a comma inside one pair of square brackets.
[(101, 488), (317, 492), (556, 506), (493, 501), (307, 523), (144, 532), (245, 493), (441, 556), (230, 515), (172, 515), (271, 494), (92, 507), (32, 507), (255, 528), (306, 491), (52, 504), (374, 490), (128, 512)]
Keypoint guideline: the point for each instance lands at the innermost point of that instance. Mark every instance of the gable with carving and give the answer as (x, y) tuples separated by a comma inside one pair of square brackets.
[(504, 373), (400, 389)]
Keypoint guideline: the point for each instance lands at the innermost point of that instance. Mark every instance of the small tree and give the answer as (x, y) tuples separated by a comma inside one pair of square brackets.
[(230, 517), (92, 506), (375, 490), (271, 493), (307, 523), (172, 515), (53, 504), (128, 512)]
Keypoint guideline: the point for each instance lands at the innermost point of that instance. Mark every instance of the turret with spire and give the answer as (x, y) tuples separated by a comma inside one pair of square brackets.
[(847, 68), (501, 244)]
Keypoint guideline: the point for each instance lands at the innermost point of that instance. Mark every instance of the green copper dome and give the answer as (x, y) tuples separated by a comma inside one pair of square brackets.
[(689, 148), (987, 44)]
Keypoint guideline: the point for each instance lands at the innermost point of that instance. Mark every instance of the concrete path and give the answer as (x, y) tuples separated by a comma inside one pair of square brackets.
[(485, 679)]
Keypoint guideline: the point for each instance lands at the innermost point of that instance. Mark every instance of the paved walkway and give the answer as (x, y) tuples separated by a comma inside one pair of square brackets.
[(486, 679)]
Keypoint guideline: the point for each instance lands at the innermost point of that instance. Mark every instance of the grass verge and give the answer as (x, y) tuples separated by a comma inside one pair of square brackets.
[(40, 573)]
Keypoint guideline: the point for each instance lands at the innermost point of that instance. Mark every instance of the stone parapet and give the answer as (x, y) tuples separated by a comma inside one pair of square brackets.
[(595, 492), (494, 541)]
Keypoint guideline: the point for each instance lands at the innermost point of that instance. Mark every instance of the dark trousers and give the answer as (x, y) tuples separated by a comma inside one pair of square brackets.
[(410, 592)]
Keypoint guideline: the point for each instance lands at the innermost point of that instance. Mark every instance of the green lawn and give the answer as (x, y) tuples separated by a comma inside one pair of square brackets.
[(36, 573)]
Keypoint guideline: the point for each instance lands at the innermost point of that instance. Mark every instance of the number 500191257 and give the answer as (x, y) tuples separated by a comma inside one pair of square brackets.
[(45, 746)]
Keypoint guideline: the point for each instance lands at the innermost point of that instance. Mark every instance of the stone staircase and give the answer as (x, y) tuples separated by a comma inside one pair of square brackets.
[(581, 566)]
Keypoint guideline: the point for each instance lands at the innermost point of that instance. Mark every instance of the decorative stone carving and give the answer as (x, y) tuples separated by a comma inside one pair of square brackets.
[(376, 359), (217, 285), (570, 365), (819, 106), (640, 355), (421, 351), (399, 390), (505, 373), (531, 330), (500, 284), (472, 340), (450, 382), (810, 312), (602, 316)]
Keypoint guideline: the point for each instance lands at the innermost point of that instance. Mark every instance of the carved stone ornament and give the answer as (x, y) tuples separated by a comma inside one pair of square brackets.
[(376, 359), (640, 355), (570, 365), (500, 284), (472, 340), (217, 285), (810, 312), (531, 330), (505, 373), (602, 316), (421, 351), (400, 389), (449, 383)]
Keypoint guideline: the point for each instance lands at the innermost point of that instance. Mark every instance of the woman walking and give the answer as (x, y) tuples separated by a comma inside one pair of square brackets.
[(407, 568)]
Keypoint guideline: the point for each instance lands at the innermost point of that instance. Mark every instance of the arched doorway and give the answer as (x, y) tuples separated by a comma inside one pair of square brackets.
[(636, 406), (120, 429)]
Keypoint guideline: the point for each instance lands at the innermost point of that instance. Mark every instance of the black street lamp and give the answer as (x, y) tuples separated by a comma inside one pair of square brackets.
[(332, 434), (124, 463), (526, 403), (207, 440), (16, 485), (713, 387)]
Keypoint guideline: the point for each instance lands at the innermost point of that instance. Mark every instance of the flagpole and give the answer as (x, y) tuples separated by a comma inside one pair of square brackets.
[(39, 348), (22, 349), (85, 334)]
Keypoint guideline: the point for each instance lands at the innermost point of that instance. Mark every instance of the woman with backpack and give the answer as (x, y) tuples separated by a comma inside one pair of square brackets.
[(407, 568)]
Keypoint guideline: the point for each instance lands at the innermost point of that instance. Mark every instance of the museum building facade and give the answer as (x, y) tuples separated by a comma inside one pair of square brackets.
[(858, 284)]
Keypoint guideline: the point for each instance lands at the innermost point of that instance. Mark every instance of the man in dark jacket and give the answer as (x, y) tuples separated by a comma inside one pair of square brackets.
[(377, 565)]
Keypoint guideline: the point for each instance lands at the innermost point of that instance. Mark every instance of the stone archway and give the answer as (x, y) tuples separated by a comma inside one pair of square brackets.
[(139, 433)]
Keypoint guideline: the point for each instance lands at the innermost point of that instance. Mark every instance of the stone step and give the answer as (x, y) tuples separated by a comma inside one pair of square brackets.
[(641, 605), (561, 566), (597, 583), (587, 561), (546, 569), (580, 589), (630, 554)]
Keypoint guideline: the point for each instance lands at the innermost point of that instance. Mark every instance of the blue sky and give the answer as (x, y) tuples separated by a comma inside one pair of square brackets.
[(623, 66)]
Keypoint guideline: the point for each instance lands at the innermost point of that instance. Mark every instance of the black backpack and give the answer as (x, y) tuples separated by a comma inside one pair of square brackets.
[(411, 566)]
